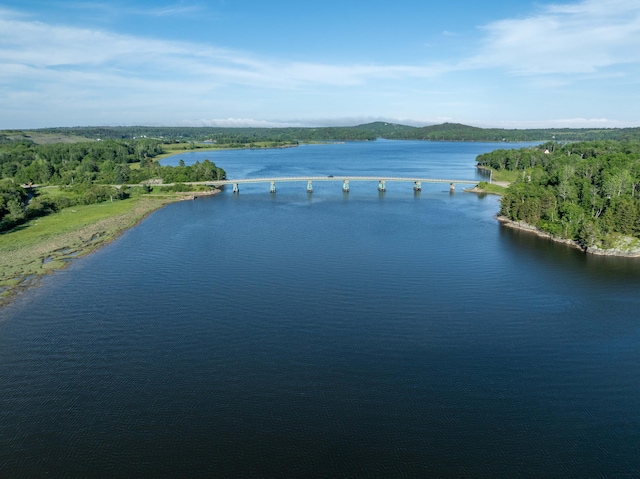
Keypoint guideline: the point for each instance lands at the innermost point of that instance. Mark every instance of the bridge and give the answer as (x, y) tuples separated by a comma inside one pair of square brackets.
[(382, 181)]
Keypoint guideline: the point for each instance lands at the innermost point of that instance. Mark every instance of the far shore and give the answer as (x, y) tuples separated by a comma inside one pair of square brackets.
[(213, 147)]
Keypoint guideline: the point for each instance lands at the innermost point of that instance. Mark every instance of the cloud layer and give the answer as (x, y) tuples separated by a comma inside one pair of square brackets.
[(579, 38), (95, 73)]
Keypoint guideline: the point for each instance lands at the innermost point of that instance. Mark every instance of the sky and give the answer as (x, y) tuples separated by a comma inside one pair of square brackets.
[(500, 63)]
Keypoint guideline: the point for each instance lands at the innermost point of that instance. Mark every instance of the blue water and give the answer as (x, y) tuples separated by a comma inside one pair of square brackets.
[(293, 335)]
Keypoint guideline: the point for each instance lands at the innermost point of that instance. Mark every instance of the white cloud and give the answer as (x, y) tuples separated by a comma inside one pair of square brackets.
[(174, 9), (577, 38), (40, 47), (80, 72), (118, 8)]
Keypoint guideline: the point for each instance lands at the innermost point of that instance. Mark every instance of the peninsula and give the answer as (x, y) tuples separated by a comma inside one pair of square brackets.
[(585, 194)]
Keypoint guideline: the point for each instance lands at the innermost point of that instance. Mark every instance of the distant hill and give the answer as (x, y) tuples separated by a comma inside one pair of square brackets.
[(368, 131), (459, 132), (384, 129)]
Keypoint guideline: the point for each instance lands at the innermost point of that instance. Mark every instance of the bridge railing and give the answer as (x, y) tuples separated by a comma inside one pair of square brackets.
[(382, 180), (340, 178)]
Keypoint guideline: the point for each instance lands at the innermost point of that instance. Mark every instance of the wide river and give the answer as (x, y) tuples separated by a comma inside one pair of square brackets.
[(327, 335)]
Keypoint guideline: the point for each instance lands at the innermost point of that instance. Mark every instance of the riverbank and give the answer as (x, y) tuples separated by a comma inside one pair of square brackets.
[(626, 247), (486, 189), (48, 244)]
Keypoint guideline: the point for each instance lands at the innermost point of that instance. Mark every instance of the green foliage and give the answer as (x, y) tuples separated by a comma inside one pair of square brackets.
[(458, 132), (88, 172), (588, 192), (243, 137), (13, 202), (67, 163)]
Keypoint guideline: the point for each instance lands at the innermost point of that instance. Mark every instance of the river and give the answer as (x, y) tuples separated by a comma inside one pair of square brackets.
[(366, 334)]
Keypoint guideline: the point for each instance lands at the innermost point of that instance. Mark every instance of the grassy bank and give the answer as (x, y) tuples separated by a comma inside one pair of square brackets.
[(500, 180), (48, 243), (488, 188), (501, 176)]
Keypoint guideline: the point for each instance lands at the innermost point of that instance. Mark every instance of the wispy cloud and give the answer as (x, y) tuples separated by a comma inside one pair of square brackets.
[(58, 67), (38, 47), (180, 8), (582, 38), (119, 8), (576, 38)]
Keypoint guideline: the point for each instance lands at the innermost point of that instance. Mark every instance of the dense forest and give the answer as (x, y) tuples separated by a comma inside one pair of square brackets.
[(227, 136), (369, 131), (588, 191), (87, 173), (458, 132)]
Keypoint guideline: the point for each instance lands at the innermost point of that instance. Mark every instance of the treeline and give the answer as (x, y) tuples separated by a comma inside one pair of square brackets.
[(369, 131), (86, 171), (103, 162), (227, 136), (66, 163), (18, 205), (588, 192), (458, 132)]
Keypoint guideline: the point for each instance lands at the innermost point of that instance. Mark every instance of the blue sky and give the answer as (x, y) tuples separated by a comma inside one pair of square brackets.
[(510, 64)]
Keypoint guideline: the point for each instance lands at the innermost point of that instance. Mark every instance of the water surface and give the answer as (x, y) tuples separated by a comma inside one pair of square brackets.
[(360, 334)]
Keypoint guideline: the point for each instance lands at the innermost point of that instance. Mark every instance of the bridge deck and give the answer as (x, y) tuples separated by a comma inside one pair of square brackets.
[(340, 178)]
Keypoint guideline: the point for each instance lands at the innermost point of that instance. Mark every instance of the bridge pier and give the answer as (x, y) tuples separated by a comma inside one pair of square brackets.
[(346, 182)]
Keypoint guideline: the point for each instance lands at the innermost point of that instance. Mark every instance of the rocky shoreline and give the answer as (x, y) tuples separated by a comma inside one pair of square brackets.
[(631, 252)]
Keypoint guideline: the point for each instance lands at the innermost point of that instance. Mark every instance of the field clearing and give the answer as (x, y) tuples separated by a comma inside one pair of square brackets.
[(44, 138)]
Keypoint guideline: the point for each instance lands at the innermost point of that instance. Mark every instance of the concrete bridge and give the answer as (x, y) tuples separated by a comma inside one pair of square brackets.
[(346, 180)]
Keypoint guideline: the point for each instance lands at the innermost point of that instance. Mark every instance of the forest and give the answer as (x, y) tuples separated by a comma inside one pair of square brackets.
[(85, 173), (365, 132), (588, 192), (458, 132)]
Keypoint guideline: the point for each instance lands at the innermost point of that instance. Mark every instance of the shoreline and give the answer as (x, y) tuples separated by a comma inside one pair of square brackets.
[(594, 250), (171, 152), (480, 191), (57, 252)]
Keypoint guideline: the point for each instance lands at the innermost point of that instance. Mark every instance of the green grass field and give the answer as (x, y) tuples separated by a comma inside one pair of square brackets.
[(43, 138), (492, 188), (505, 176)]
